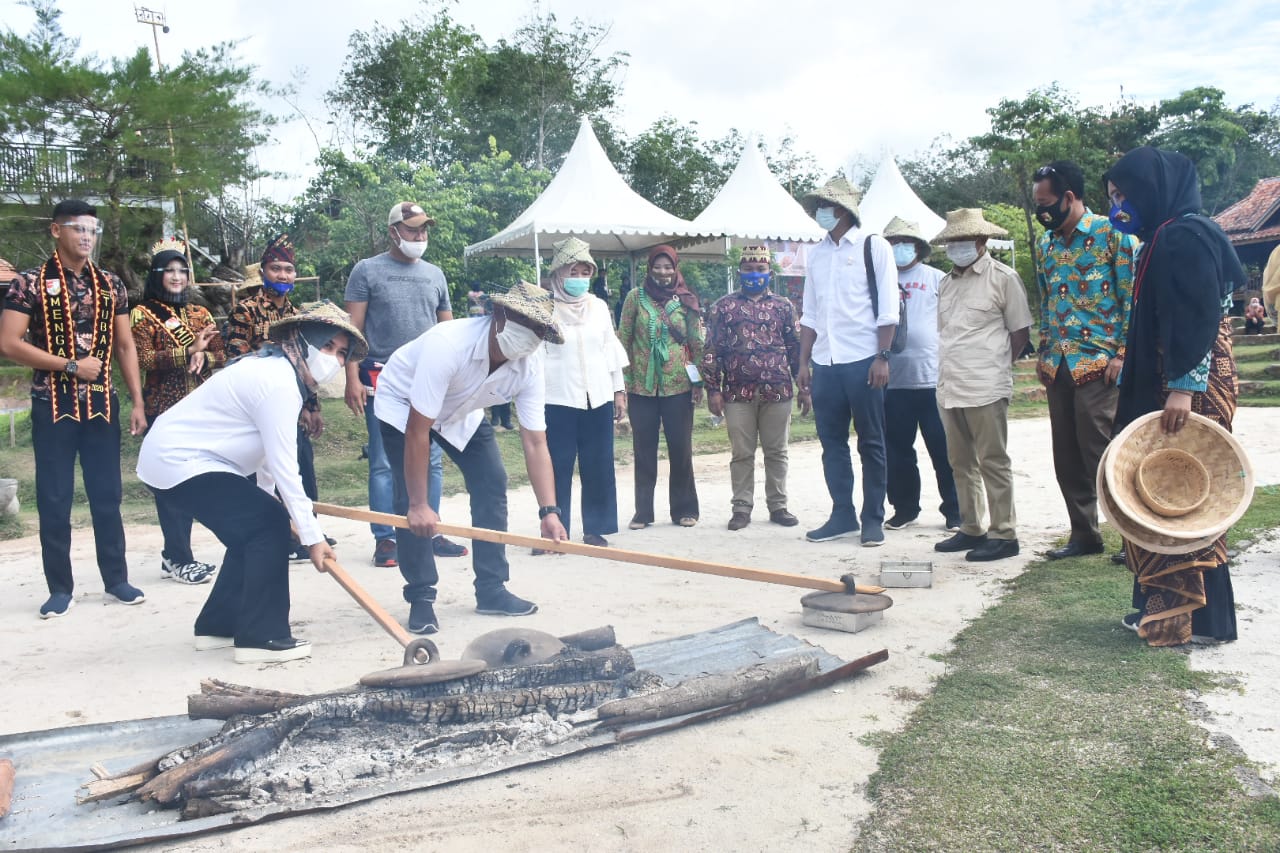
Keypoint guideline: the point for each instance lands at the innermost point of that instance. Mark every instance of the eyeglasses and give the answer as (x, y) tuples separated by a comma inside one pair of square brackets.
[(82, 230)]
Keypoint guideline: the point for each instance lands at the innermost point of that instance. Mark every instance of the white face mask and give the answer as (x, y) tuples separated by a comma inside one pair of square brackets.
[(323, 366), (826, 218), (963, 253), (413, 250), (515, 341)]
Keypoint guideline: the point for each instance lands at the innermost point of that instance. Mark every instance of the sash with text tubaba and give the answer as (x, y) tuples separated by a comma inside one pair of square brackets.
[(173, 322), (60, 340)]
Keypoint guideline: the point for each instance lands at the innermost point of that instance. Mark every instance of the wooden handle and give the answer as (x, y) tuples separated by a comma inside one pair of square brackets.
[(7, 775), (680, 563), (372, 607)]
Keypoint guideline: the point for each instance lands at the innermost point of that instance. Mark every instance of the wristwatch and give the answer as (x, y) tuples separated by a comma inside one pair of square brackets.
[(884, 353), (544, 511), (70, 368)]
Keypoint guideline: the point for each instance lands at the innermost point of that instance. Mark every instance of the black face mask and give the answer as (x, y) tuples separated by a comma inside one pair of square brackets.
[(1051, 216)]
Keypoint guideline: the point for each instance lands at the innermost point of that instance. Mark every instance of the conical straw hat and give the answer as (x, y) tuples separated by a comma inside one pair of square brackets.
[(1230, 476)]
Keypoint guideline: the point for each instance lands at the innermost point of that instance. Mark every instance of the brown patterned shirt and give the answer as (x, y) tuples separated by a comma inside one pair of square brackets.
[(248, 322), (26, 295), (753, 348), (164, 360)]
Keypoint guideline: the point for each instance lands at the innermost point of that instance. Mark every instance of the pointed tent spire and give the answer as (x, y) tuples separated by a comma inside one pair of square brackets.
[(753, 205), (890, 195)]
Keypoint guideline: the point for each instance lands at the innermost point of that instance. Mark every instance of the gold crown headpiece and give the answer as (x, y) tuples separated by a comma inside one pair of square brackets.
[(168, 244)]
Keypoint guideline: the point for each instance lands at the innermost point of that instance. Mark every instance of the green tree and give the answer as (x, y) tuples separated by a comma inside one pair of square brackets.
[(125, 134), (672, 167)]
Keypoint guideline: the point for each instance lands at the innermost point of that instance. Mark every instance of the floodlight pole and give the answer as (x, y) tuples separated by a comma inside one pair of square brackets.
[(157, 21)]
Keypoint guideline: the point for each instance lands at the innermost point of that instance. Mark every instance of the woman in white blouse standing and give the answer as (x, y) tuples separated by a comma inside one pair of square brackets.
[(585, 393)]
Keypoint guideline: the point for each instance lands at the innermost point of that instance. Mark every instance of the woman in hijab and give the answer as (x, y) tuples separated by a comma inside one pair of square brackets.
[(661, 331), (585, 393), (199, 458), (1178, 360), (178, 349)]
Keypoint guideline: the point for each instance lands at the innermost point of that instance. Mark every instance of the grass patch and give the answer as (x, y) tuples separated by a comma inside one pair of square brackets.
[(1057, 729)]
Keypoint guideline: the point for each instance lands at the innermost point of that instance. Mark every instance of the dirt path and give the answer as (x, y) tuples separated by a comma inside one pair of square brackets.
[(787, 777)]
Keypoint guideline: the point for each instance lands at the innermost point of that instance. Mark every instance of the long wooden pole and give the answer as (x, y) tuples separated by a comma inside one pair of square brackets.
[(639, 557)]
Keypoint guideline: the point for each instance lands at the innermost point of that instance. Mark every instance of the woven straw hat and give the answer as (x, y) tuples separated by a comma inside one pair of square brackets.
[(899, 227), (966, 224), (534, 304), (252, 278), (1136, 533), (836, 191), (1172, 482), (1230, 481), (570, 251), (328, 314)]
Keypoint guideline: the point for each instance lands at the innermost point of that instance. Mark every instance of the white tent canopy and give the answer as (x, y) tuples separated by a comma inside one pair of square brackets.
[(753, 206), (890, 195), (589, 199)]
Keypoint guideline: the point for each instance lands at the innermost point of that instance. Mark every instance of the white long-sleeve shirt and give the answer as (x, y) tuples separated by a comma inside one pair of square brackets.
[(244, 421), (837, 298), (586, 370), (444, 374)]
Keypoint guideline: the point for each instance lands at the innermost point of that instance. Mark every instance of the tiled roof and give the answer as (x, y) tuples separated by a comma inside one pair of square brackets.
[(1256, 212)]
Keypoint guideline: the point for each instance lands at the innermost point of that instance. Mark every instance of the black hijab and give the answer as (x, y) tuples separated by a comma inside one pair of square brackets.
[(1186, 267), (155, 279)]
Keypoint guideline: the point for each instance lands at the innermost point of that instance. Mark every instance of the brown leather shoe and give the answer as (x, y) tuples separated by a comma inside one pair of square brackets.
[(781, 516), (739, 520)]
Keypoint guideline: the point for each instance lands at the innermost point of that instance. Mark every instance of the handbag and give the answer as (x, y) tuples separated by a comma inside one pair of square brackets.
[(900, 332)]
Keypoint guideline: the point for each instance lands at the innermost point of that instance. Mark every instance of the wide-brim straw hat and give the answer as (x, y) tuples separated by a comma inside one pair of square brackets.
[(328, 314), (570, 251), (899, 227), (1136, 533), (1231, 481), (835, 191), (967, 224), (534, 304), (252, 278)]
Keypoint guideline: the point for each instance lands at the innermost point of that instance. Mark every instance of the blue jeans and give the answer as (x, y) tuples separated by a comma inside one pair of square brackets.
[(905, 409), (486, 479), (841, 394), (584, 436), (381, 487)]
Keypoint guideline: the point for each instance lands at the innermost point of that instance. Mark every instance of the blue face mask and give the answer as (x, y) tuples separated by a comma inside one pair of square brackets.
[(279, 287), (576, 286), (753, 282), (904, 254), (1124, 216), (826, 218)]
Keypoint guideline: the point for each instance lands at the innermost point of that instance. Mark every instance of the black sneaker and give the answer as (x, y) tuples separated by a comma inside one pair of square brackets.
[(1131, 621), (300, 553), (502, 602), (1119, 558), (57, 605), (192, 573), (422, 617), (442, 547), (833, 529), (960, 542), (126, 593), (954, 524), (900, 520)]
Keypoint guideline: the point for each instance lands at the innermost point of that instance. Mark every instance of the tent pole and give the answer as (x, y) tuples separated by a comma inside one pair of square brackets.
[(537, 258)]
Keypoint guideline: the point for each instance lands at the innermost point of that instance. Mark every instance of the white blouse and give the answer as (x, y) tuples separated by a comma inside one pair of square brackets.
[(586, 370)]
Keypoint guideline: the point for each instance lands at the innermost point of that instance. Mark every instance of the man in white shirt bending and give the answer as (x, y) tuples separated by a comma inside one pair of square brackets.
[(435, 389)]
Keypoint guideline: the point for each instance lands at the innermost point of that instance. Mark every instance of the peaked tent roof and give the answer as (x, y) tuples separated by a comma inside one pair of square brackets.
[(890, 195), (752, 206), (589, 199)]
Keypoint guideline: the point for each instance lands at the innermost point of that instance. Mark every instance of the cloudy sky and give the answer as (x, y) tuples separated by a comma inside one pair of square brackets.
[(851, 80)]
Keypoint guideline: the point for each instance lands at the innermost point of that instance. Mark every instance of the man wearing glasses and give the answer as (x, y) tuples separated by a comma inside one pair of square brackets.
[(393, 298), (1086, 278), (66, 319)]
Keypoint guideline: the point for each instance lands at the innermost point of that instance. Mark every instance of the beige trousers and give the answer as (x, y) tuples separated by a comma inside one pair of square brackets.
[(770, 425), (977, 446)]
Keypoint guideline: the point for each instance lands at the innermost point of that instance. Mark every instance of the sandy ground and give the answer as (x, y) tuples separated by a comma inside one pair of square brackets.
[(787, 777)]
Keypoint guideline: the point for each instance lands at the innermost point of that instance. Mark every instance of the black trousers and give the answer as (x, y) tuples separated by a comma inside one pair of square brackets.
[(674, 414), (97, 443), (175, 524), (250, 597), (905, 411), (486, 480)]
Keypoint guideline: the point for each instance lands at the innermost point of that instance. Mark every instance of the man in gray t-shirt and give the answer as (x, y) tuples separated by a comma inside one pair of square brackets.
[(393, 298)]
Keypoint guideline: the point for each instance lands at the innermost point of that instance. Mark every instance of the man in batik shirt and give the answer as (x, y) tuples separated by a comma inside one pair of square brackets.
[(1086, 279), (66, 319), (752, 355)]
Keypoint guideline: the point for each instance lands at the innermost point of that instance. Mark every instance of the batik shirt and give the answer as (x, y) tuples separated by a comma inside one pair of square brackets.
[(165, 361), (1087, 287), (26, 295), (753, 348), (249, 321)]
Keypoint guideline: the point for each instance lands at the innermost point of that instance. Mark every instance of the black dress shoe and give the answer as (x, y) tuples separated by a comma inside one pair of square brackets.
[(784, 518), (960, 542), (993, 549), (1074, 549)]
